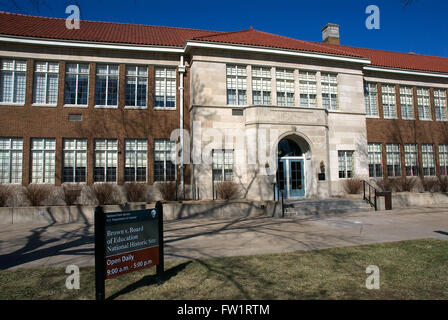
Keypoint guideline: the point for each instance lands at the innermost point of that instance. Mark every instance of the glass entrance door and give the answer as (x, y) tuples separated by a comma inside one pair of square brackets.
[(291, 177)]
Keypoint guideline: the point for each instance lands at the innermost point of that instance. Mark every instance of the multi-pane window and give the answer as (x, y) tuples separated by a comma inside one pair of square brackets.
[(164, 156), (11, 154), (106, 153), (222, 165), (329, 84), (407, 102), (75, 160), (388, 99), (135, 160), (424, 110), (345, 160), (236, 85), (106, 88), (46, 75), (411, 159), (136, 86), (12, 81), (261, 86), (43, 160), (165, 88), (393, 156), (428, 160), (443, 159), (307, 87), (440, 104), (285, 87), (375, 160), (371, 98), (76, 83)]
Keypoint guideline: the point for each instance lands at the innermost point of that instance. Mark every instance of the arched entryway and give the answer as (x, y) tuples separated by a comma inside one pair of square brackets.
[(291, 170)]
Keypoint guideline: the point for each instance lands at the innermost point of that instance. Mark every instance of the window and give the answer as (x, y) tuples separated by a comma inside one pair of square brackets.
[(375, 160), (135, 160), (407, 103), (329, 84), (393, 156), (136, 85), (165, 88), (46, 75), (222, 165), (261, 86), (345, 159), (440, 104), (106, 152), (371, 99), (75, 160), (411, 160), (76, 84), (236, 85), (43, 160), (424, 111), (11, 157), (164, 153), (13, 81), (106, 89), (443, 159), (388, 98), (285, 87), (428, 162), (307, 87)]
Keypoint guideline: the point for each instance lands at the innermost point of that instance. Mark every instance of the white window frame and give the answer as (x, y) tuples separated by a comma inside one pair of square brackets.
[(443, 159), (108, 75), (137, 78), (371, 99), (440, 105), (407, 103), (165, 160), (107, 150), (424, 104), (326, 85), (12, 169), (411, 159), (226, 155), (393, 159), (388, 99), (237, 79), (347, 157), (261, 81), (308, 88), (43, 152), (46, 88), (77, 151), (375, 158), (77, 74), (132, 146), (428, 159), (165, 82), (14, 71), (284, 78)]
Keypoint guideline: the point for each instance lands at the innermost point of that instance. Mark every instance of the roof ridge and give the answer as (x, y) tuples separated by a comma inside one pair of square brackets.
[(110, 22), (221, 34)]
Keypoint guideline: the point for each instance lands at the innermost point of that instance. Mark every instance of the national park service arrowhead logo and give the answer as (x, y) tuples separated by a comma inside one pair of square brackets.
[(153, 213)]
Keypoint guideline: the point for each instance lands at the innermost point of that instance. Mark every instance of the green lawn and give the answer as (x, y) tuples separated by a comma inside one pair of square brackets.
[(408, 270)]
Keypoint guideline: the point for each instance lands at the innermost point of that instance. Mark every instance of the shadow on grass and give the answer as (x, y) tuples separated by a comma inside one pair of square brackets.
[(150, 280)]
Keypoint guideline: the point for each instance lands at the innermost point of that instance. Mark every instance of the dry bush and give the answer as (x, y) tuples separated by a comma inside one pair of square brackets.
[(443, 183), (226, 190), (136, 192), (168, 190), (386, 184), (5, 193), (430, 184), (106, 193), (353, 185), (37, 193), (71, 194), (405, 184)]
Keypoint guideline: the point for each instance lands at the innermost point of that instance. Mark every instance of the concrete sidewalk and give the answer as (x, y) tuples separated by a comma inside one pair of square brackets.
[(63, 244)]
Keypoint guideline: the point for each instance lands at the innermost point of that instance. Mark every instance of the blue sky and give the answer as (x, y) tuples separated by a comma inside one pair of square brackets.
[(421, 27)]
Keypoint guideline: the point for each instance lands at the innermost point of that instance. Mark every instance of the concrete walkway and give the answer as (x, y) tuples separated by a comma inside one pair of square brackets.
[(64, 244)]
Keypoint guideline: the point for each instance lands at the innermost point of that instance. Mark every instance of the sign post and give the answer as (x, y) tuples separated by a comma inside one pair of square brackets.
[(127, 241)]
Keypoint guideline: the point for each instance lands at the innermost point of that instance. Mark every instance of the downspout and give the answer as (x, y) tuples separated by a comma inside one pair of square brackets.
[(181, 123)]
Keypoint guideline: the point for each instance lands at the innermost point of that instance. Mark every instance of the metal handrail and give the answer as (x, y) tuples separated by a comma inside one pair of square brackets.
[(369, 199)]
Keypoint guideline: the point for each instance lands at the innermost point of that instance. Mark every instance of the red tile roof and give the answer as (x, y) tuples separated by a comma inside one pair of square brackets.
[(94, 31)]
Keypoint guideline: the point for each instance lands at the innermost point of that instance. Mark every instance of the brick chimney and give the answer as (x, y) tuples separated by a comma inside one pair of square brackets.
[(330, 34)]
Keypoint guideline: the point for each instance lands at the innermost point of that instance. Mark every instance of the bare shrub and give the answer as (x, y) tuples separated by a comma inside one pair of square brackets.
[(353, 185), (106, 193), (405, 184), (168, 190), (5, 193), (37, 194), (443, 183), (136, 192), (226, 190), (386, 184), (429, 184), (71, 194)]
